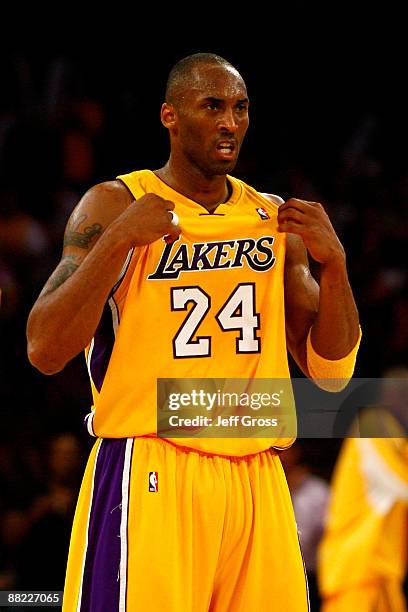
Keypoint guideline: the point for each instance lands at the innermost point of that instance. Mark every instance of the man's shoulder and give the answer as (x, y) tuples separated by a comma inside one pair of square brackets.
[(113, 189), (104, 201)]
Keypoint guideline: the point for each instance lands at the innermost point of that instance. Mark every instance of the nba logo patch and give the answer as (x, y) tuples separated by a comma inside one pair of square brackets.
[(263, 214), (153, 482)]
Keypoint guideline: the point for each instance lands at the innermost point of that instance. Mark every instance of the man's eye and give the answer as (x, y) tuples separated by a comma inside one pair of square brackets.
[(242, 107), (212, 105)]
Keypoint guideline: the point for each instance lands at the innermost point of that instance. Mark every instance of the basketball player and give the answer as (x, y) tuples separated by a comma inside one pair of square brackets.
[(368, 513), (223, 295)]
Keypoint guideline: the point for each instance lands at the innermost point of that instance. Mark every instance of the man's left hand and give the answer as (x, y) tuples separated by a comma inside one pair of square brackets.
[(310, 221)]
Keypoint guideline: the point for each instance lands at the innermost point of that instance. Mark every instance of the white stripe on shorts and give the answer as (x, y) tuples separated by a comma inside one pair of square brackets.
[(124, 525), (87, 528)]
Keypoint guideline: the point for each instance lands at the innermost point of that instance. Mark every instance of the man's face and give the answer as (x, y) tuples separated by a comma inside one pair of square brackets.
[(212, 119)]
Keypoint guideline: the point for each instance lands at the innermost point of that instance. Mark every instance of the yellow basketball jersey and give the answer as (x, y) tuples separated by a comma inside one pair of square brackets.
[(210, 305), (365, 537)]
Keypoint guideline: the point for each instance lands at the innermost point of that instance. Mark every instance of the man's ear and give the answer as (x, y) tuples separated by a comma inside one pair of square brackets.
[(168, 116)]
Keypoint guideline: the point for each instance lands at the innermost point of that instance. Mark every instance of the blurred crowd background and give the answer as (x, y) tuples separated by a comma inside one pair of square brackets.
[(69, 122)]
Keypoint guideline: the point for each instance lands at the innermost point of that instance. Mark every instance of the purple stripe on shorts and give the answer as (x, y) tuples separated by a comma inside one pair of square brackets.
[(104, 339), (100, 589)]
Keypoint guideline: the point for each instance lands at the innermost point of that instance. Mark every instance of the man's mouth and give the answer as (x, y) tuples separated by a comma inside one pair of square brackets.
[(226, 148)]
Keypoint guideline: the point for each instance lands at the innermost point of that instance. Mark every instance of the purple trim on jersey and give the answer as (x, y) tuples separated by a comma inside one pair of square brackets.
[(104, 339), (123, 273), (100, 590)]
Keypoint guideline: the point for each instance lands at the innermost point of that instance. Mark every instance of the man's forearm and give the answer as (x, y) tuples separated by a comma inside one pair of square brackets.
[(335, 330), (65, 316)]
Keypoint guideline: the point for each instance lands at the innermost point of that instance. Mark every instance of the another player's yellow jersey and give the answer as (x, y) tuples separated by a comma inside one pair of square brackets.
[(210, 305), (365, 541)]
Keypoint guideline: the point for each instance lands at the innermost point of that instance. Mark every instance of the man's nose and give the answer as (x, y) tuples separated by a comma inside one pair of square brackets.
[(228, 121)]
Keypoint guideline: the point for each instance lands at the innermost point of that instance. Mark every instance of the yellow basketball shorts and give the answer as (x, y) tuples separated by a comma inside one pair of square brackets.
[(163, 528)]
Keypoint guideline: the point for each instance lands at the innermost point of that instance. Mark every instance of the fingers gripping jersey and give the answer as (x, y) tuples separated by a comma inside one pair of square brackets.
[(210, 305)]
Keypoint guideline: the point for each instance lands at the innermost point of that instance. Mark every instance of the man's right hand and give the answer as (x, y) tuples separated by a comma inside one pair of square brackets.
[(146, 220)]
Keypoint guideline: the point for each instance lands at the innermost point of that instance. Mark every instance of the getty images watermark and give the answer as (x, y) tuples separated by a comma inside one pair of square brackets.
[(284, 408), (200, 399), (219, 408)]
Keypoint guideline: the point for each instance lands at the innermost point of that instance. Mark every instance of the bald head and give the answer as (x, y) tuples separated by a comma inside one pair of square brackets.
[(206, 101), (186, 74)]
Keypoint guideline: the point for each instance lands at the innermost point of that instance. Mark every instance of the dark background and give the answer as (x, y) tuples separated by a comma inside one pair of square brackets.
[(328, 123)]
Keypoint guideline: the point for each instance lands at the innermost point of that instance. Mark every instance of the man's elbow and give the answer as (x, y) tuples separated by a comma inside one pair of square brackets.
[(43, 359)]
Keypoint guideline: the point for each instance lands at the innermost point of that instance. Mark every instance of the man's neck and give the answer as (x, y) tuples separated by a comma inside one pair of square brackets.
[(210, 192)]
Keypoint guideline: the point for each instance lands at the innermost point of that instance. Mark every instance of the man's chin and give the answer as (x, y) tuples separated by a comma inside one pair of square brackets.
[(224, 167)]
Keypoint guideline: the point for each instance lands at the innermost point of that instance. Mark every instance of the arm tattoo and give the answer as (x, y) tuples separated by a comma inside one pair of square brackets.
[(65, 269), (74, 238)]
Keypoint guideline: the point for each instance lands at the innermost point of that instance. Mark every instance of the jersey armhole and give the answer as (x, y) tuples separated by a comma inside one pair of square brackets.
[(119, 290), (122, 182), (273, 198), (122, 274)]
